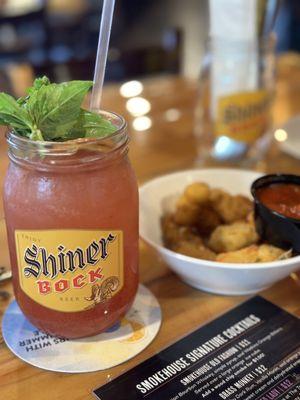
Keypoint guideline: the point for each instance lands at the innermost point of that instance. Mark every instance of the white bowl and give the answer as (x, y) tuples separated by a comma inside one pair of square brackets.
[(158, 195)]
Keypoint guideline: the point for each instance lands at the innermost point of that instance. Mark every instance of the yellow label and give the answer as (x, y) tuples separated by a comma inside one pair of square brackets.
[(70, 270), (243, 116)]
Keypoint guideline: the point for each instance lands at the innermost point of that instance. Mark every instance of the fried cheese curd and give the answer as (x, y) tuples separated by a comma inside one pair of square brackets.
[(233, 237), (254, 254), (211, 224)]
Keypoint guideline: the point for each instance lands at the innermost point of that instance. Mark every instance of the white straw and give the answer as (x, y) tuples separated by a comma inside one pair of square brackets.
[(103, 44)]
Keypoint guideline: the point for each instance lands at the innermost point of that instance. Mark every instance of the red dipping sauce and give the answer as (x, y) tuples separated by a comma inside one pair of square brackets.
[(283, 198)]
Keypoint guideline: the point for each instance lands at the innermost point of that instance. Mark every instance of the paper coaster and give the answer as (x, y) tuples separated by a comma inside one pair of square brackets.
[(120, 343)]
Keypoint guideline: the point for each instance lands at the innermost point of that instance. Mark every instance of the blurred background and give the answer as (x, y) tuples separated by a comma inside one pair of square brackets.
[(164, 75), (149, 37)]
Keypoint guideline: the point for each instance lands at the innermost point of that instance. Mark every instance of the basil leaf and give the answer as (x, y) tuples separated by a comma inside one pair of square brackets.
[(55, 108), (91, 125), (37, 84), (53, 112), (12, 114), (36, 135)]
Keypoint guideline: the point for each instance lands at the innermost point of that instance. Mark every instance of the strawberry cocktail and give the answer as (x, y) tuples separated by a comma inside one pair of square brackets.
[(71, 209)]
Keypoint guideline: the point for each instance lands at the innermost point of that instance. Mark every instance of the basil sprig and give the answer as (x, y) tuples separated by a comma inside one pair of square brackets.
[(52, 112)]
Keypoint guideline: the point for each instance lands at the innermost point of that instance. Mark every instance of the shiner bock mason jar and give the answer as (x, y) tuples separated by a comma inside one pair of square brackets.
[(71, 211)]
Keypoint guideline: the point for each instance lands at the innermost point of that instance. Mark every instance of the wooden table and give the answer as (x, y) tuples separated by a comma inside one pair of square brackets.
[(165, 147)]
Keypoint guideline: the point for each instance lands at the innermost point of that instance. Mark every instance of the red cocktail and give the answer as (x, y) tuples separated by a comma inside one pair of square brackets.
[(72, 219)]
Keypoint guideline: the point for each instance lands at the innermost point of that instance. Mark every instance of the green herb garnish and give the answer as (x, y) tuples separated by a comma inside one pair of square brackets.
[(52, 112)]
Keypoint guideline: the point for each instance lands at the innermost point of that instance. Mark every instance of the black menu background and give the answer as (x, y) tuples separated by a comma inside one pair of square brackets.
[(266, 368)]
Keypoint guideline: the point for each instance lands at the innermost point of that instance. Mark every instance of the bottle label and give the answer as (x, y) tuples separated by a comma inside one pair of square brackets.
[(243, 116), (70, 270)]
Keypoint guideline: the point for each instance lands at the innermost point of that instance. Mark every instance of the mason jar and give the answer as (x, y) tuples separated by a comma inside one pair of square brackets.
[(71, 211)]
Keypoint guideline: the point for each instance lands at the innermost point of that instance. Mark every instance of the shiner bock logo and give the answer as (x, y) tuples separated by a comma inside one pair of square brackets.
[(243, 116), (40, 263), (50, 264), (234, 113)]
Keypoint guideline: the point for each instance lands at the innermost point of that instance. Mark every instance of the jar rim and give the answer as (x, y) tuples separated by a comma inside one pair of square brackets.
[(44, 155), (17, 140)]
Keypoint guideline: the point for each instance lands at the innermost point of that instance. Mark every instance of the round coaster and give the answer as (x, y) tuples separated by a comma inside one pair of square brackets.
[(115, 346)]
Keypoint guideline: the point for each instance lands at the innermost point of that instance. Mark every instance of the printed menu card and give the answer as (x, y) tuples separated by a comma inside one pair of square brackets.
[(251, 352)]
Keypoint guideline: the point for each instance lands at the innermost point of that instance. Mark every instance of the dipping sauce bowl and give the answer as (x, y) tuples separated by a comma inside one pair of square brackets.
[(277, 210)]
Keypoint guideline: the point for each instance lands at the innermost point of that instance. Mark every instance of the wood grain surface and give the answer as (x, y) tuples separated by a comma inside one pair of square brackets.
[(166, 146)]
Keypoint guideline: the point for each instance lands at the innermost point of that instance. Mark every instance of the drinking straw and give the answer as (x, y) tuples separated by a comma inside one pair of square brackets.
[(272, 10), (103, 43)]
